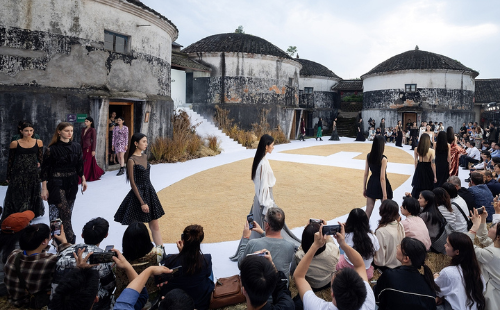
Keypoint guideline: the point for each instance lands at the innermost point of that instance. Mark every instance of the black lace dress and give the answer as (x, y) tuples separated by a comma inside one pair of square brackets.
[(24, 188), (142, 192), (442, 168)]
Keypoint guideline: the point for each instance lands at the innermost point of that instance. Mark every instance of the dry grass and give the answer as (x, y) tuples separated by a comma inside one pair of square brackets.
[(213, 143), (394, 155), (225, 195)]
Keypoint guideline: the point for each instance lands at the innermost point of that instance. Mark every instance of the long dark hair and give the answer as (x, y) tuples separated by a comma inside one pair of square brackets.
[(190, 254), (441, 143), (378, 146), (91, 120), (136, 242), (265, 140), (450, 135), (389, 212), (358, 224), (423, 145), (136, 137), (416, 252), (434, 214), (442, 198), (467, 260)]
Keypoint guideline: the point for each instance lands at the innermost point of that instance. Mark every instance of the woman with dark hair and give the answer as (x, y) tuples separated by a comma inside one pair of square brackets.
[(195, 275), (91, 170), (389, 233), (24, 191), (378, 186), (414, 133), (461, 283), (62, 165), (19, 133), (399, 136), (360, 136), (414, 226), (302, 129), (111, 126), (455, 151), (141, 204), (319, 134), (488, 256), (120, 143), (459, 206), (443, 159), (325, 259), (140, 253), (443, 203), (404, 287), (264, 180), (360, 238), (425, 167), (430, 214), (335, 134)]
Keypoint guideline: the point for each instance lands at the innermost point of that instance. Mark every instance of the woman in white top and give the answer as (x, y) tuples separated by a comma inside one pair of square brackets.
[(390, 233), (264, 180), (442, 200), (459, 207), (461, 283), (488, 257), (359, 237)]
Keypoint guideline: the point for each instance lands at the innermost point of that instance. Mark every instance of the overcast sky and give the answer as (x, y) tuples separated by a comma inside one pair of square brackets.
[(351, 37)]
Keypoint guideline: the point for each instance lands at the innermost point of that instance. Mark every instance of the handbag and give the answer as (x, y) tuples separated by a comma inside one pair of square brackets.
[(227, 292), (37, 300)]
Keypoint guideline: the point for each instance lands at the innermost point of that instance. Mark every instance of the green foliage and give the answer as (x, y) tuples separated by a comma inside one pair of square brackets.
[(291, 50), (353, 98), (239, 29)]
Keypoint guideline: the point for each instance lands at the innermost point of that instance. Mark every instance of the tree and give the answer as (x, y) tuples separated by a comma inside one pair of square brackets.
[(291, 50), (239, 29)]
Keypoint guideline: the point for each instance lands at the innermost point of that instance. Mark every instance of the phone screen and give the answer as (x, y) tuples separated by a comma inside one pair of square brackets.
[(250, 221), (55, 227), (108, 248)]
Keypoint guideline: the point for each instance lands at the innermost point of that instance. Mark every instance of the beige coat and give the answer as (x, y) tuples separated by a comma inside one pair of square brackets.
[(389, 237)]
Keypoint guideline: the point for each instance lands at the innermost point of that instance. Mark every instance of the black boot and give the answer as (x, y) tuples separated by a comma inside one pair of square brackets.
[(320, 139), (121, 171)]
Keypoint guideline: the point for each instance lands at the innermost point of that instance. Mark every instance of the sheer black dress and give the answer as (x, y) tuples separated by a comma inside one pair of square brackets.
[(442, 168), (373, 187), (62, 165), (24, 188)]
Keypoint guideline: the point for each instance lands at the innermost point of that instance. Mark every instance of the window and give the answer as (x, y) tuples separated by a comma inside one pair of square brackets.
[(308, 90), (410, 88), (116, 42)]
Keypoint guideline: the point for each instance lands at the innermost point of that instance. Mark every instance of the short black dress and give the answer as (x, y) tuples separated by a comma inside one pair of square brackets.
[(442, 168), (423, 178), (130, 210), (373, 188)]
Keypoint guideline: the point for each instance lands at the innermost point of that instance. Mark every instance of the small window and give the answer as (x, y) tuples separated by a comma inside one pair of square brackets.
[(409, 88), (308, 90), (116, 42)]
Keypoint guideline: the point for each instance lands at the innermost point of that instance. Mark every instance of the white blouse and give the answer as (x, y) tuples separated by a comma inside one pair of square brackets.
[(451, 283), (263, 181)]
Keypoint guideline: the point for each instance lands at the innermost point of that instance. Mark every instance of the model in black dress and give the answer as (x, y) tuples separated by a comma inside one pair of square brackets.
[(399, 137), (414, 136), (62, 165), (425, 167), (360, 135), (443, 158), (335, 134), (141, 204)]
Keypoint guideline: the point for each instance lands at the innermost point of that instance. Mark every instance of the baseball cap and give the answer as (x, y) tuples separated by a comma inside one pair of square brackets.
[(17, 221)]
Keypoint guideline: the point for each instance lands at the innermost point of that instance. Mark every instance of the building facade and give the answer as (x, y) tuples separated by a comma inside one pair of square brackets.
[(63, 60)]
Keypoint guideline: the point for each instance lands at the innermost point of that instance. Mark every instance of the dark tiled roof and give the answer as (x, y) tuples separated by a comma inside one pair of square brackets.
[(235, 42), (349, 85), (419, 60), (183, 61), (147, 8), (487, 91), (311, 68)]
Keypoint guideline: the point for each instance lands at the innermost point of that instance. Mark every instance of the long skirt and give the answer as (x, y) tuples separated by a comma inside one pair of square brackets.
[(91, 170)]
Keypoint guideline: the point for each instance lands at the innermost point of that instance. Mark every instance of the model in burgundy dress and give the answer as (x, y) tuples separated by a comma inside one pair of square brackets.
[(91, 170)]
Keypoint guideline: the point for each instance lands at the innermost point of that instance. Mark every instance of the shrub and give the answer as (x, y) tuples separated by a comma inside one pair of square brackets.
[(213, 143)]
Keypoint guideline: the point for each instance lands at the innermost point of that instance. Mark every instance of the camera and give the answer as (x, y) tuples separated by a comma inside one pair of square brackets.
[(164, 277), (250, 221), (102, 257), (55, 227), (331, 229), (479, 211), (318, 221)]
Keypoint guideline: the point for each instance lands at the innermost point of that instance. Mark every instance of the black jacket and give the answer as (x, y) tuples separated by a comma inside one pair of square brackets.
[(468, 197), (282, 299)]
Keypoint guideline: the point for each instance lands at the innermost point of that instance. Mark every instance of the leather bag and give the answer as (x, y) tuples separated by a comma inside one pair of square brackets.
[(227, 292)]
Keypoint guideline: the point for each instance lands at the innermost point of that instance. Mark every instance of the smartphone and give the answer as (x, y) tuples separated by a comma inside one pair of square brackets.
[(101, 258), (55, 227), (318, 221), (109, 248), (84, 248), (164, 277), (479, 211), (331, 229), (258, 254), (250, 221)]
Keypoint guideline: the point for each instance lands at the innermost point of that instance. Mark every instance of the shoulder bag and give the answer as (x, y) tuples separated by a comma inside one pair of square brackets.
[(467, 219), (227, 292), (37, 300)]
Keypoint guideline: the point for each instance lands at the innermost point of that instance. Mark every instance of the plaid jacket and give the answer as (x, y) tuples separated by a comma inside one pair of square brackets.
[(37, 270)]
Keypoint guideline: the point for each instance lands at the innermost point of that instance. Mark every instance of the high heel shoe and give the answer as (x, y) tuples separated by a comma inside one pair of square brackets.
[(122, 171)]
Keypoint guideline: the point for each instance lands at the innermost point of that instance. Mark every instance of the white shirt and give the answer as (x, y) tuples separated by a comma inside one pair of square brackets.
[(313, 302), (263, 181), (460, 222), (349, 240), (475, 154), (450, 217), (451, 283)]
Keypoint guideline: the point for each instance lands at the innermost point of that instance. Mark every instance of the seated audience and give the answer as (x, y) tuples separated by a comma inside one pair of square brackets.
[(36, 267), (177, 299), (473, 155), (414, 226), (260, 281), (481, 193), (462, 221), (389, 233), (463, 192), (359, 237), (488, 257), (139, 250), (492, 184), (461, 284), (442, 200), (430, 214), (281, 250), (324, 261), (93, 233), (404, 287), (12, 226), (350, 287), (486, 162), (196, 276)]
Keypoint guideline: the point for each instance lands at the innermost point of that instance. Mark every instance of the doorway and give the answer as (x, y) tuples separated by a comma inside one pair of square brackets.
[(126, 111), (409, 116)]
